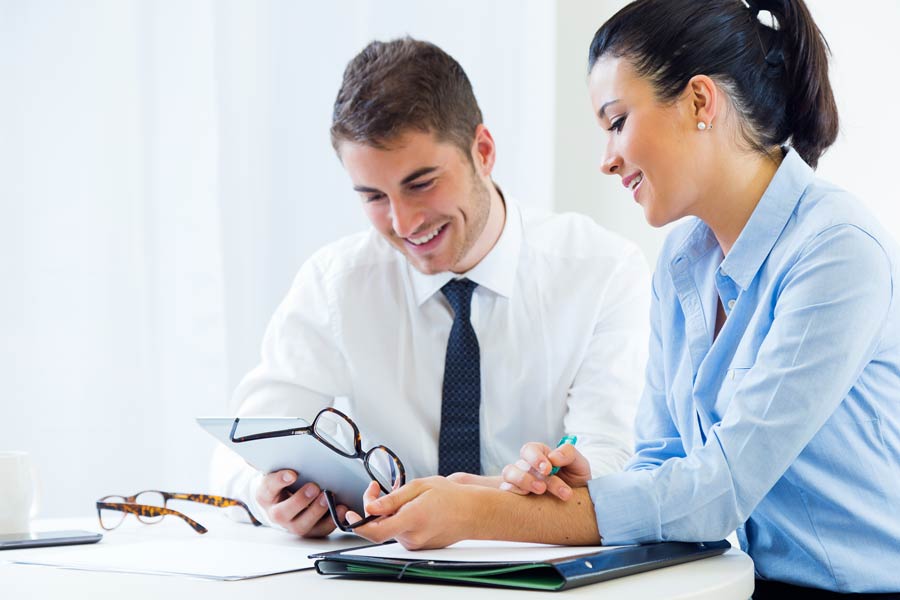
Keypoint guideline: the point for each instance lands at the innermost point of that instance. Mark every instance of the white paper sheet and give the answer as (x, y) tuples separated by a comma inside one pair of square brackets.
[(481, 551), (229, 551)]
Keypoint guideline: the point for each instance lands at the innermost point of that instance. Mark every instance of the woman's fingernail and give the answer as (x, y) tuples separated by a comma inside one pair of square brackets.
[(505, 486), (543, 467), (311, 492), (537, 486), (565, 493), (287, 477), (322, 501)]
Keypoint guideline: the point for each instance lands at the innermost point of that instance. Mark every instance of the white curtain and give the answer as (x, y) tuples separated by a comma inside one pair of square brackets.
[(165, 168)]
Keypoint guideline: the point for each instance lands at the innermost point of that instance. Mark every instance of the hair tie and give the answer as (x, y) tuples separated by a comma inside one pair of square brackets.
[(774, 56)]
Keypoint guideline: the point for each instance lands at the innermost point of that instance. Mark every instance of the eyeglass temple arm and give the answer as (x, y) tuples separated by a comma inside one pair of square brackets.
[(220, 501), (144, 510), (343, 525), (264, 435)]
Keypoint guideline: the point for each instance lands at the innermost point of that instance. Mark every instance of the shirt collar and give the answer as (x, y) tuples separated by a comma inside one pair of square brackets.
[(762, 230), (496, 271), (768, 220)]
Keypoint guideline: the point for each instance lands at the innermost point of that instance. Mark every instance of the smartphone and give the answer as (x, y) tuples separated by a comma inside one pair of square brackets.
[(36, 539)]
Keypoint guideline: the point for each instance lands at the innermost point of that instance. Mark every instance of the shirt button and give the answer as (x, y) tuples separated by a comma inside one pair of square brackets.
[(730, 304)]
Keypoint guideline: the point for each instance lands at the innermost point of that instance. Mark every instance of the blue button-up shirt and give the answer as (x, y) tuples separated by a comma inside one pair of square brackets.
[(786, 426)]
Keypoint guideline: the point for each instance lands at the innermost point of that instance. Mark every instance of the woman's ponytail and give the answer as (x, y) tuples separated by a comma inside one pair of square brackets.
[(811, 117)]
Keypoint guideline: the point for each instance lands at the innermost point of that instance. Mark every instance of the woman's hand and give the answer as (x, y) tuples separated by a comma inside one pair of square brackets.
[(531, 473)]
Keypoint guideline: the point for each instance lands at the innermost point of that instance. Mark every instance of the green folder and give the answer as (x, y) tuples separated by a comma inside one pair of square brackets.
[(552, 575)]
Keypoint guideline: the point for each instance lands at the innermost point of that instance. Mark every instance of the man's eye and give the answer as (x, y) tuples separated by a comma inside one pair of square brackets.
[(617, 125), (423, 185)]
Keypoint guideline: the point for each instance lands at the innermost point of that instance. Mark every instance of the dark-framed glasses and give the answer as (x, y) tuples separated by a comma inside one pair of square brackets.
[(340, 434), (150, 506)]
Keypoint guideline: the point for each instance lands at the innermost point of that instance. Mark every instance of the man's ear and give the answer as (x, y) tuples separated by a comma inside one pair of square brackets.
[(703, 95), (484, 152)]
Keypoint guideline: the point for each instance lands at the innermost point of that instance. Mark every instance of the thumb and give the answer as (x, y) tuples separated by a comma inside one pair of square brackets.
[(574, 462)]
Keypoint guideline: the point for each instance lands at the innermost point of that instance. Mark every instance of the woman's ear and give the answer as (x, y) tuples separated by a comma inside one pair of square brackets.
[(703, 95)]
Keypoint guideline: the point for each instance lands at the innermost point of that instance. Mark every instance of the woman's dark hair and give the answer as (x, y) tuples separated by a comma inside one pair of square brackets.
[(776, 76)]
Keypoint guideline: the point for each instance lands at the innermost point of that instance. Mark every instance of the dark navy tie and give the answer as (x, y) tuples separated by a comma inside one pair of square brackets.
[(459, 448)]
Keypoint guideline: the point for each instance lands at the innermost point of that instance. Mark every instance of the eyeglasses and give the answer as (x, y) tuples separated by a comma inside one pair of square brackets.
[(339, 433), (150, 507)]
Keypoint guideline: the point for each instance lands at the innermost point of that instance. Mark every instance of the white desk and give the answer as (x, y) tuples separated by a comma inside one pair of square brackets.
[(718, 578)]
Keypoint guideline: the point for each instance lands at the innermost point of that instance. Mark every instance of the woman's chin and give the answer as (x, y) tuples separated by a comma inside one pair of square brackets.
[(653, 218)]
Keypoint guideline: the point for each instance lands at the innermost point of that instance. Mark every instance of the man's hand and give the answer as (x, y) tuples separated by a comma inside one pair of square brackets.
[(531, 473), (433, 512), (304, 512)]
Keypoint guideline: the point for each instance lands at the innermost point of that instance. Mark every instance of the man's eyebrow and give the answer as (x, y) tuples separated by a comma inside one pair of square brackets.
[(418, 173), (602, 112), (409, 178)]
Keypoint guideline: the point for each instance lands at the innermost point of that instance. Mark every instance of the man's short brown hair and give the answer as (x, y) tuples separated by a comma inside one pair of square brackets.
[(392, 87)]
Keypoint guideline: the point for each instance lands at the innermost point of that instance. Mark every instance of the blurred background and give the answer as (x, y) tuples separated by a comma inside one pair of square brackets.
[(165, 168)]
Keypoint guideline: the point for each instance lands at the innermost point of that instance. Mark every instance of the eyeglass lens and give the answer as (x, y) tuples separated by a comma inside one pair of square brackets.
[(336, 431), (151, 498), (110, 519), (384, 467)]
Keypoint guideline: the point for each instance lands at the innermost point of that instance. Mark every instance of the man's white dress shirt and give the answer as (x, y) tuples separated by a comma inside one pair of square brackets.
[(561, 314)]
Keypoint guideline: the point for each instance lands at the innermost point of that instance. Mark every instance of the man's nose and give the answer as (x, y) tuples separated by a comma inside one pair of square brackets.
[(406, 217)]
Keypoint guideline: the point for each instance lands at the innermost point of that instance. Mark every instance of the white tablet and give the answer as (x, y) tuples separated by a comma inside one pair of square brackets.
[(312, 460)]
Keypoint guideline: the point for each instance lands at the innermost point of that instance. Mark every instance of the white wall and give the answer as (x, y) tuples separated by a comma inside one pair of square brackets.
[(865, 46)]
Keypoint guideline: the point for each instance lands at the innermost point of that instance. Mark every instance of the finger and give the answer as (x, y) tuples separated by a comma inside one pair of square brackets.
[(522, 476), (577, 466), (392, 502), (371, 495), (284, 512), (270, 488), (559, 488), (508, 487), (309, 517), (372, 531), (386, 528), (326, 524), (535, 454)]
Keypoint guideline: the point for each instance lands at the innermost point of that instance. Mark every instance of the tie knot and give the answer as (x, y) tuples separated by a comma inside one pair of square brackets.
[(459, 294)]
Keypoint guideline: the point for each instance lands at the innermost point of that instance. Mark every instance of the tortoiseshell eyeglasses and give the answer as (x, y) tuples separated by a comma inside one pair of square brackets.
[(339, 433), (150, 507)]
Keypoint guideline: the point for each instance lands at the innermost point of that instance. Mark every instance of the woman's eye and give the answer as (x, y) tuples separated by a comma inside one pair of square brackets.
[(374, 197), (617, 125)]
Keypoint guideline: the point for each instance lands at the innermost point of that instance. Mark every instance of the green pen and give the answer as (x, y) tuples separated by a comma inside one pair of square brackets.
[(567, 439)]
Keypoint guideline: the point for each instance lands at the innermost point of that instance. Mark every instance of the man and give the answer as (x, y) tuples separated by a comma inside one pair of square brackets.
[(457, 328)]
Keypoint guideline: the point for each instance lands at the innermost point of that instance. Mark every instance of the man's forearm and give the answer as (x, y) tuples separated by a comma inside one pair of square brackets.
[(544, 519)]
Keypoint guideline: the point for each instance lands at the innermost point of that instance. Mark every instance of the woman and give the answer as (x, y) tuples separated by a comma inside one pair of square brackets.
[(772, 398)]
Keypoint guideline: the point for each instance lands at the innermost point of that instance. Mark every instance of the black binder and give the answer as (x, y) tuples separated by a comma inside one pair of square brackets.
[(551, 575)]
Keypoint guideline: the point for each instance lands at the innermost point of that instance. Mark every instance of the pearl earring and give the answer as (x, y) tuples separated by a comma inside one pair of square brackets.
[(701, 126)]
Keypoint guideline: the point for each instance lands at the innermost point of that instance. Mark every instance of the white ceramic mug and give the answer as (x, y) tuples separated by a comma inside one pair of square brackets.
[(17, 493)]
